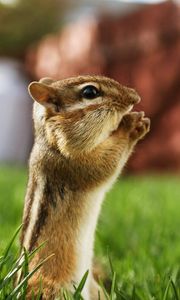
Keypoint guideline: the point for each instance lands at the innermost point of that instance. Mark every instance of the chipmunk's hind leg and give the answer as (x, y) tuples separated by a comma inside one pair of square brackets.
[(47, 291)]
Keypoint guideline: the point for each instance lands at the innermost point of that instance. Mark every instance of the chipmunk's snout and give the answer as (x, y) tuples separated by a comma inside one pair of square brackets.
[(127, 98), (132, 96)]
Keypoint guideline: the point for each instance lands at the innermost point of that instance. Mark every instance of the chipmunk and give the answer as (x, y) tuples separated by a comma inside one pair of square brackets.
[(84, 134)]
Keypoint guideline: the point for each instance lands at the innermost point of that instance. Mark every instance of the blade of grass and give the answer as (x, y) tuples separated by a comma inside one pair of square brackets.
[(6, 252), (30, 256), (133, 296), (11, 274), (12, 241), (20, 285), (66, 295), (26, 272), (104, 290), (40, 290), (110, 262), (175, 290), (80, 287), (167, 290), (112, 293), (3, 262)]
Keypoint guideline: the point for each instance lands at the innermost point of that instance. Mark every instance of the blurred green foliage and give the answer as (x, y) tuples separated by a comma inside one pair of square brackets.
[(26, 22)]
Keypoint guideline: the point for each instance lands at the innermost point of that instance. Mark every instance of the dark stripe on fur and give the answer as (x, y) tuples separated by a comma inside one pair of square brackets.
[(26, 218), (50, 196)]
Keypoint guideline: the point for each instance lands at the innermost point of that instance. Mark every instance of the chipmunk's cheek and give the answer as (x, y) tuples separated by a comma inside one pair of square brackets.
[(114, 122)]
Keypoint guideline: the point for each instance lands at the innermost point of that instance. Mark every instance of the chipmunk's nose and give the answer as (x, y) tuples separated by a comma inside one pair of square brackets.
[(132, 96)]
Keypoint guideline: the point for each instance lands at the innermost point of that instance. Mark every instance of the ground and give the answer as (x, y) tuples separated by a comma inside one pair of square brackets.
[(139, 227)]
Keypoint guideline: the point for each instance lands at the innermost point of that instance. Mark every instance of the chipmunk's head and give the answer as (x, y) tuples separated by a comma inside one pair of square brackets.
[(81, 110)]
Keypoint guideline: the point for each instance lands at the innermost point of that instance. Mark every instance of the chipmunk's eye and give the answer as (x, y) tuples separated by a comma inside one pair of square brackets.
[(90, 92)]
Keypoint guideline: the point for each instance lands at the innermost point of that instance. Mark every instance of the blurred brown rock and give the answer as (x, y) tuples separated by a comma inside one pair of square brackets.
[(141, 50)]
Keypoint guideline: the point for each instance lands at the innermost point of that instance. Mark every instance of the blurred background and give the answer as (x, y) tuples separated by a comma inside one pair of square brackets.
[(138, 44), (135, 42)]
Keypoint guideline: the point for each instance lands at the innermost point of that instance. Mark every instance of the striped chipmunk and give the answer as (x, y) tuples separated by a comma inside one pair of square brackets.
[(84, 134)]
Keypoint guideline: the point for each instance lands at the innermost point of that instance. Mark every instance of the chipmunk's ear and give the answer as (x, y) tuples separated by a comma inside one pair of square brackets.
[(46, 80), (42, 93)]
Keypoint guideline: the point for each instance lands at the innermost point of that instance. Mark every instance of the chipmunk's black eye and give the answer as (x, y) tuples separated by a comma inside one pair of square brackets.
[(90, 92)]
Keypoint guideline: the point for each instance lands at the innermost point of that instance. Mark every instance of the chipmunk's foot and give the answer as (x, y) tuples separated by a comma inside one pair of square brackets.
[(136, 125)]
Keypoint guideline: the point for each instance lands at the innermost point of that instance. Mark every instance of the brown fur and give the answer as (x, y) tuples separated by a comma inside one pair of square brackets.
[(79, 146)]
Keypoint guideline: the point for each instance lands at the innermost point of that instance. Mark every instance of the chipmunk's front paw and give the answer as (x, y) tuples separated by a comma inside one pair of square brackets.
[(136, 125)]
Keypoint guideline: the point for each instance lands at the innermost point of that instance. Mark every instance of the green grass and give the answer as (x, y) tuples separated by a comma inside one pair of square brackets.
[(12, 188), (140, 224), (139, 227)]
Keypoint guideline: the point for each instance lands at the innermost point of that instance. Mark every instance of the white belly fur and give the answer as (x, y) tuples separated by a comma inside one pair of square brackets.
[(85, 242)]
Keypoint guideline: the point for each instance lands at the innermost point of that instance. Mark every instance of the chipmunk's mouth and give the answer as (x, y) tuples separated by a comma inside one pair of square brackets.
[(130, 108)]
